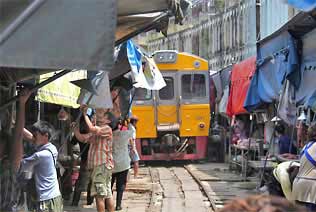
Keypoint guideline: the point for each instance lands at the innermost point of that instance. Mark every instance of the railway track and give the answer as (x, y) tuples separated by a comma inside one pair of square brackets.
[(175, 189), (196, 187), (170, 187)]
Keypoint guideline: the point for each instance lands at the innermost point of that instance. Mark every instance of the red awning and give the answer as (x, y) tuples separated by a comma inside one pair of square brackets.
[(240, 81)]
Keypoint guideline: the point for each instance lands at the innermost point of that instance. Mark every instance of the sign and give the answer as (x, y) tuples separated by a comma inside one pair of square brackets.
[(61, 91)]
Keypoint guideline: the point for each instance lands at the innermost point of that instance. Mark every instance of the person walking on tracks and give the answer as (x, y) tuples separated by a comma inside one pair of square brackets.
[(132, 146), (100, 158)]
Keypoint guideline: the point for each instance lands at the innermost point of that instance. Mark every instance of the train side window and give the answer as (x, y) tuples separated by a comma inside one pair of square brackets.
[(167, 92), (142, 94), (193, 85)]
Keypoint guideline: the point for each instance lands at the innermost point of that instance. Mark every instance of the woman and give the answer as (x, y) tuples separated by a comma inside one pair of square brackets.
[(122, 162), (132, 146), (304, 185)]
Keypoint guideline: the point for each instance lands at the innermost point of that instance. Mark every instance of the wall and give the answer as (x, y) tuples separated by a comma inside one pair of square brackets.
[(274, 14), (221, 35)]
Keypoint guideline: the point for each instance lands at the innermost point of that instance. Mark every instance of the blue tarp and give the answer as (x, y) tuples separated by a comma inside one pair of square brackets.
[(306, 5), (311, 102), (277, 60)]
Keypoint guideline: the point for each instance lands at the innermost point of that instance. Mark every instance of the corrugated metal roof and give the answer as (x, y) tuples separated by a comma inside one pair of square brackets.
[(298, 26)]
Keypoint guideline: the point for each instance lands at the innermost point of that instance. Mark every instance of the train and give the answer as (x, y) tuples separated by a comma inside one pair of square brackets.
[(174, 121)]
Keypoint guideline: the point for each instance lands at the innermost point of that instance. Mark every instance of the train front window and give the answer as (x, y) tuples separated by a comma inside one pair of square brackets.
[(142, 94), (167, 92), (193, 85)]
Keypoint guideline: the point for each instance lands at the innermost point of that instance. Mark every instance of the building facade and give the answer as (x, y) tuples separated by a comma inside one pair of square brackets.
[(223, 31)]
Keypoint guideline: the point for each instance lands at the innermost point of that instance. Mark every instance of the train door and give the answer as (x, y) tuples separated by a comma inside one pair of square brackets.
[(194, 109), (167, 102), (143, 108)]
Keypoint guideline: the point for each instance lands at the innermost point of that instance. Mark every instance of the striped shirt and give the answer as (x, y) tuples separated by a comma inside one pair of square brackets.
[(100, 152)]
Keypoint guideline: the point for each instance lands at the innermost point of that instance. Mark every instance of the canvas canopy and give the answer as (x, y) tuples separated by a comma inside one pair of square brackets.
[(57, 34), (278, 60), (240, 80), (221, 80), (306, 94), (306, 5), (55, 93), (54, 35)]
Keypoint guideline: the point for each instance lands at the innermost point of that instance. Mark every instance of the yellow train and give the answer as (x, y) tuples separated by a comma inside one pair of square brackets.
[(174, 121)]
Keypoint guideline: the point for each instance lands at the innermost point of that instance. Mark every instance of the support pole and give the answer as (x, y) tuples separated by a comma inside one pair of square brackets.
[(31, 9)]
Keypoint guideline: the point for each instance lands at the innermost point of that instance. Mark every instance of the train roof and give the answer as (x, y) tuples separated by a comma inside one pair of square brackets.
[(179, 61)]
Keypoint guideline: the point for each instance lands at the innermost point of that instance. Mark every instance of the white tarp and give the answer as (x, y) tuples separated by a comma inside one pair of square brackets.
[(148, 77)]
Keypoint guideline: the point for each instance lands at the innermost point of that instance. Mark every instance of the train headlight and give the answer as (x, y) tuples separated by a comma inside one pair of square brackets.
[(202, 125), (165, 56)]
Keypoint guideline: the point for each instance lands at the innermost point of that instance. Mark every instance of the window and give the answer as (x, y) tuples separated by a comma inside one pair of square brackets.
[(167, 92), (142, 94), (193, 85)]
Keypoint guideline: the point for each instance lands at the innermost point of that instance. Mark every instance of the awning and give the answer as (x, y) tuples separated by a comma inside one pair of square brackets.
[(68, 35), (132, 7), (308, 69), (11, 75), (240, 79), (130, 26), (137, 16), (221, 80), (54, 35), (55, 93), (298, 26), (277, 60), (306, 5), (57, 34)]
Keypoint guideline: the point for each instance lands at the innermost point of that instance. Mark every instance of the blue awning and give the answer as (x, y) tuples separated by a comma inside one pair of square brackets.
[(306, 5), (277, 60)]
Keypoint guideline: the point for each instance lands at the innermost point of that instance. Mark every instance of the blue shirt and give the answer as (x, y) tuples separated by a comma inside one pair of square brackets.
[(42, 163), (284, 145)]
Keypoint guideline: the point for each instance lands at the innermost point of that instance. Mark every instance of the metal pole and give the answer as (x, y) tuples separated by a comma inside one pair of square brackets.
[(20, 19), (35, 88), (267, 154), (249, 142)]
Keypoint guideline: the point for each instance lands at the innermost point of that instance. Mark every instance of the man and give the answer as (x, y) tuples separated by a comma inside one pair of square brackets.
[(283, 174), (43, 164), (100, 158), (285, 146)]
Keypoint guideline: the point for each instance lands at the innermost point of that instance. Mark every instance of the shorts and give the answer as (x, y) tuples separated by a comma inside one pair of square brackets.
[(101, 178), (83, 180), (51, 205)]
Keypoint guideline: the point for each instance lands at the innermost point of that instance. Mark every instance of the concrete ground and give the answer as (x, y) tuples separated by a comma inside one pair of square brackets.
[(136, 198), (221, 184), (194, 187)]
